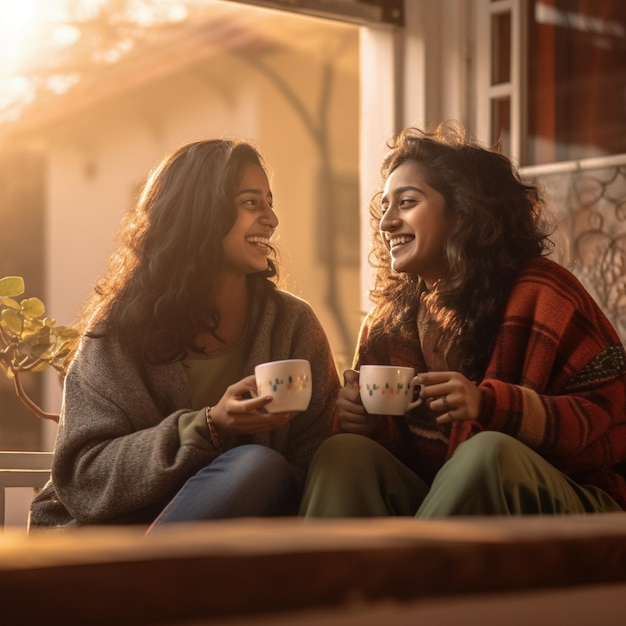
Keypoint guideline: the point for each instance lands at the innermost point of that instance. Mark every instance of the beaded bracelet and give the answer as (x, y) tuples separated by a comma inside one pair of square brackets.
[(215, 440)]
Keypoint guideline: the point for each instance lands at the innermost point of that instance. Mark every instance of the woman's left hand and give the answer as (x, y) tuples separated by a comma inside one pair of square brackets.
[(451, 395)]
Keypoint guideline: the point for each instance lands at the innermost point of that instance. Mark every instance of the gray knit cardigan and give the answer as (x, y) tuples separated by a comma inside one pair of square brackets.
[(119, 457)]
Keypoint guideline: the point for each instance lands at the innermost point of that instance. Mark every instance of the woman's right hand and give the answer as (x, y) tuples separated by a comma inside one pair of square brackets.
[(236, 413), (353, 418)]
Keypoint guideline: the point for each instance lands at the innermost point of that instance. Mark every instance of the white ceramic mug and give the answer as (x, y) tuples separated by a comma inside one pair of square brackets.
[(387, 389), (288, 382)]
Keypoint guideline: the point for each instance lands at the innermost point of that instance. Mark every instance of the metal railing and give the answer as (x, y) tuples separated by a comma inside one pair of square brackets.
[(22, 469)]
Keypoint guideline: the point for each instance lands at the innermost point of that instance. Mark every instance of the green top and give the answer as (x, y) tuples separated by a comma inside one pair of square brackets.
[(210, 376)]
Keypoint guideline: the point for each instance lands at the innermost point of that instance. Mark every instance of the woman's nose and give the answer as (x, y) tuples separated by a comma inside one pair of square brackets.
[(387, 221), (270, 217)]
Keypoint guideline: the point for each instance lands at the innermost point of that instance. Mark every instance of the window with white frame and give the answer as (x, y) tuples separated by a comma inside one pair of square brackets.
[(552, 78)]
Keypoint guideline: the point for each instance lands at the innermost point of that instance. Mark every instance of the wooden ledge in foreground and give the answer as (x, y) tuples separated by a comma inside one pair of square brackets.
[(118, 575)]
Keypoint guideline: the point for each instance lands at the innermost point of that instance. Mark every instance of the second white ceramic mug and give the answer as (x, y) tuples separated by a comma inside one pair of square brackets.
[(387, 389)]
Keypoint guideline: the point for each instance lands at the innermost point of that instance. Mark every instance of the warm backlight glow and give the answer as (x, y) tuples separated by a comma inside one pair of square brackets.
[(25, 26), (29, 27), (29, 31), (32, 30), (20, 29)]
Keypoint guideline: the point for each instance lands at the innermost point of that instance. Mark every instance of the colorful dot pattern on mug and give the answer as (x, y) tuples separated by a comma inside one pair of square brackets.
[(298, 383), (388, 389)]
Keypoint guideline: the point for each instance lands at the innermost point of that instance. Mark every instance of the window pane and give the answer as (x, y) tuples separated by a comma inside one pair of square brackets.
[(501, 123), (576, 79), (501, 53)]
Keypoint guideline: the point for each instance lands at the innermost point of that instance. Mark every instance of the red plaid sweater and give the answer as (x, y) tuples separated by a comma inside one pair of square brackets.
[(556, 381)]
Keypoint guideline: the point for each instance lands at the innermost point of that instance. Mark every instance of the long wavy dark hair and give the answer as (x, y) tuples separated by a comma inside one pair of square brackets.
[(158, 292), (498, 225)]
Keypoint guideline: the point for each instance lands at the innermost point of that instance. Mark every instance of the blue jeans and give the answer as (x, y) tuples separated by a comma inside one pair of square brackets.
[(247, 481)]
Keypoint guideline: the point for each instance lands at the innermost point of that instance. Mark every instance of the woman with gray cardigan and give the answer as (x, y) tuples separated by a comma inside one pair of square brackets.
[(160, 421)]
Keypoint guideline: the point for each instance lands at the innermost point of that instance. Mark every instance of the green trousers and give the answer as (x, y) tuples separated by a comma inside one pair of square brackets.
[(489, 474)]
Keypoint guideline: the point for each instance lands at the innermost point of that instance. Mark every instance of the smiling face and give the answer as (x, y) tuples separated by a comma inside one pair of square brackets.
[(246, 243), (415, 224)]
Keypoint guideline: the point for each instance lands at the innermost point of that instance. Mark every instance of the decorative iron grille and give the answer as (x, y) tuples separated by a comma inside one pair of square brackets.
[(587, 200)]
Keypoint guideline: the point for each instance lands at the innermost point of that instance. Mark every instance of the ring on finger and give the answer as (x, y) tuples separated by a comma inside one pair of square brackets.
[(446, 406)]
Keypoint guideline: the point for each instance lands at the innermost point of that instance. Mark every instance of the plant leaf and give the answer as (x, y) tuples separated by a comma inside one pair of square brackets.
[(32, 351), (12, 321), (12, 286), (10, 303), (33, 307)]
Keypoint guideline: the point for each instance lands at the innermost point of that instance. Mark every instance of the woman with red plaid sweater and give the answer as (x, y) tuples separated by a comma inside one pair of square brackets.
[(522, 377)]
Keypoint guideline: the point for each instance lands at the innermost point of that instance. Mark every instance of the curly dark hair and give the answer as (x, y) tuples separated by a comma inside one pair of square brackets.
[(158, 292), (498, 225)]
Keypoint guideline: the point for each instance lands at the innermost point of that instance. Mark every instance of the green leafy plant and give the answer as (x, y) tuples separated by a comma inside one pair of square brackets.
[(29, 341)]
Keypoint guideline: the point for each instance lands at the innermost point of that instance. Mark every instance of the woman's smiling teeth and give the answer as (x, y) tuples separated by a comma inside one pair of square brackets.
[(259, 241), (398, 240)]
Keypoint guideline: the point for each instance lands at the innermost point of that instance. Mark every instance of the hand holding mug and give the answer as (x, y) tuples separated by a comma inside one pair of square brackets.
[(351, 414), (451, 395), (237, 412)]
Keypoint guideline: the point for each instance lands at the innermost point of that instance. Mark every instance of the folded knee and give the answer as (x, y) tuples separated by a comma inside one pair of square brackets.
[(345, 446)]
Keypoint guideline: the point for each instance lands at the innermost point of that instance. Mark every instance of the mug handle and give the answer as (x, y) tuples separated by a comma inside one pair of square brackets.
[(417, 402)]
